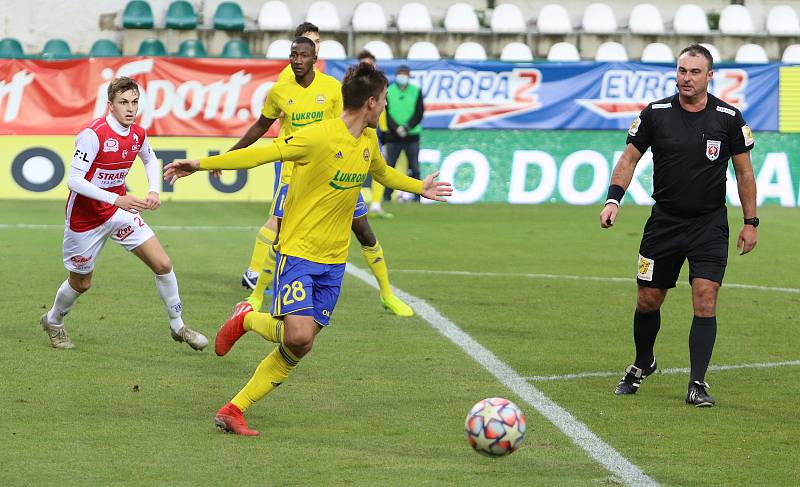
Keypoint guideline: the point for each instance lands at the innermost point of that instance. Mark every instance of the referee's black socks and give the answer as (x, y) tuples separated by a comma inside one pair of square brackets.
[(645, 329), (701, 343)]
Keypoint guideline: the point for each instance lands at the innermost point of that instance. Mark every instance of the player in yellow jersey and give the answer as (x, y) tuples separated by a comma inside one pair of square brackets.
[(298, 104), (332, 159)]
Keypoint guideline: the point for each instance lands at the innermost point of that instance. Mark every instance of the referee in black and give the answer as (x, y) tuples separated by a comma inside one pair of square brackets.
[(692, 135)]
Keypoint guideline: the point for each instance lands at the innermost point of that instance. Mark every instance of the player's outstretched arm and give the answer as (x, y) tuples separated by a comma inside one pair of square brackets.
[(620, 180), (436, 190), (180, 169)]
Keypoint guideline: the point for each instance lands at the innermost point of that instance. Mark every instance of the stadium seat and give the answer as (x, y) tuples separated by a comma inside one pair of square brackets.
[(735, 20), (381, 50), (324, 15), (646, 19), (229, 16), (423, 51), (470, 51), (236, 48), (792, 54), (516, 52), (137, 15), (152, 47), (330, 49), (507, 18), (279, 49), (192, 48), (690, 19), (104, 48), (782, 21), (275, 16), (56, 49), (554, 19), (369, 17), (715, 55), (414, 17), (563, 52), (751, 53), (181, 15), (598, 18), (657, 52), (461, 17), (611, 52), (10, 48)]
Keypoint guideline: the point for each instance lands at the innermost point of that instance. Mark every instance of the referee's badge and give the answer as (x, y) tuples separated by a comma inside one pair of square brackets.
[(645, 268), (712, 149)]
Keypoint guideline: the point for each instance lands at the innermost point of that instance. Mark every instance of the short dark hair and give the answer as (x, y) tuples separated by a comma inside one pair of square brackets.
[(305, 27), (699, 50), (360, 82), (364, 54), (304, 40), (121, 85)]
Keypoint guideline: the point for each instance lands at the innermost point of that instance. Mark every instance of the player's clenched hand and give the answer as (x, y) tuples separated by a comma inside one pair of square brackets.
[(609, 215), (153, 201), (216, 174), (435, 190), (179, 169), (130, 203), (748, 238)]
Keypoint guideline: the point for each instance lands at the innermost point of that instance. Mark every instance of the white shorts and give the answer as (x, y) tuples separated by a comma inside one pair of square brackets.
[(81, 249)]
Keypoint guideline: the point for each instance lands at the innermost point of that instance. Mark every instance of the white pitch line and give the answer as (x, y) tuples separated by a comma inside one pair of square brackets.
[(581, 375), (578, 432), (567, 277), (188, 228)]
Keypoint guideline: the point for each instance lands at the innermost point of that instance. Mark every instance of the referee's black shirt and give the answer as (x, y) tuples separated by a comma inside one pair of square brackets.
[(691, 151)]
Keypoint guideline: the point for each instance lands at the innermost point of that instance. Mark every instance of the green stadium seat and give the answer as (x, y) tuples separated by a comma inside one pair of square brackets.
[(236, 48), (191, 48), (104, 48), (152, 47), (137, 15), (229, 16), (56, 49), (10, 48), (181, 15)]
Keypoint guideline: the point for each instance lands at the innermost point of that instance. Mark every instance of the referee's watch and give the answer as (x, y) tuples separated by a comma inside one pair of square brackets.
[(752, 221)]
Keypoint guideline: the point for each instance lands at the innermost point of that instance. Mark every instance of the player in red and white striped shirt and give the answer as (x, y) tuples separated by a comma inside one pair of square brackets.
[(98, 208)]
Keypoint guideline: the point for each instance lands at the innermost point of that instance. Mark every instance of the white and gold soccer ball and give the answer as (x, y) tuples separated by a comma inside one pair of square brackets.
[(495, 427)]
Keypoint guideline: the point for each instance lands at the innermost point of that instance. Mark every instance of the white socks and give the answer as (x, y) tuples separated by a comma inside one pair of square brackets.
[(167, 286), (65, 300), (375, 208)]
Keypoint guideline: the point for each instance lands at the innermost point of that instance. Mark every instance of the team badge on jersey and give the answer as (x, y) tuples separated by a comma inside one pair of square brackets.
[(645, 268), (321, 99), (366, 155), (712, 149), (124, 153), (635, 126), (111, 145)]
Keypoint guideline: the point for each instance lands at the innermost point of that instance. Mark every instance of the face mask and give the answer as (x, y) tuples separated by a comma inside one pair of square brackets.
[(401, 79)]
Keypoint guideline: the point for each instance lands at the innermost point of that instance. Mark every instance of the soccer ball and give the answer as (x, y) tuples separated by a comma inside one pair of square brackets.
[(495, 427)]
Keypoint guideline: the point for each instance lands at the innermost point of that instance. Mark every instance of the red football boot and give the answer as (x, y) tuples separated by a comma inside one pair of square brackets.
[(230, 419), (232, 330)]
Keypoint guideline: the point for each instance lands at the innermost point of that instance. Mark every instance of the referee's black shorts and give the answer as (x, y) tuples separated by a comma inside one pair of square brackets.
[(668, 240)]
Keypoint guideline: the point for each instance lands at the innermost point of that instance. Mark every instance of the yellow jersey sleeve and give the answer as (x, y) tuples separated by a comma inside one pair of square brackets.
[(298, 147), (271, 109)]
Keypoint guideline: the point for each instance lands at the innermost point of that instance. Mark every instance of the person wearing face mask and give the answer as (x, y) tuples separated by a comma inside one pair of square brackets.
[(404, 112)]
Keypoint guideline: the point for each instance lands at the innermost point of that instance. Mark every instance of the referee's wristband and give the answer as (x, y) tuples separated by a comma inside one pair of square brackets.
[(615, 194)]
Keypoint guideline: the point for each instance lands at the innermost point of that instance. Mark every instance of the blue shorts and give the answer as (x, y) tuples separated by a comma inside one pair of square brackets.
[(306, 288), (280, 200)]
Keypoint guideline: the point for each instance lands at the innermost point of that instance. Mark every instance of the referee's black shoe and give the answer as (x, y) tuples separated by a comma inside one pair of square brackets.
[(633, 378), (698, 394)]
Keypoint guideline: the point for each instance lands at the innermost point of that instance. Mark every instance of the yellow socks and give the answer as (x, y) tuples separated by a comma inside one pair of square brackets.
[(265, 274), (263, 243), (376, 262), (377, 192), (269, 374), (265, 325)]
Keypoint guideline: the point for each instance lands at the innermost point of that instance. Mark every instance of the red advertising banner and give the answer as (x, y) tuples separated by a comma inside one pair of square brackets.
[(178, 96)]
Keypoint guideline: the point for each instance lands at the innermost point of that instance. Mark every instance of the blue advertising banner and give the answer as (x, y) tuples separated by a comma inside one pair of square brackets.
[(581, 95)]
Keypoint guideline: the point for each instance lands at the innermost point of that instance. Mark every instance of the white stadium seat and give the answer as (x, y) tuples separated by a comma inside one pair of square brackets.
[(414, 17), (735, 20), (508, 18), (330, 49), (516, 52), (611, 52), (782, 21), (646, 19), (554, 19), (563, 52), (275, 16), (751, 53), (279, 49), (470, 51), (792, 54), (324, 15), (690, 19), (657, 52), (715, 55), (461, 17), (369, 17), (380, 50), (598, 18), (423, 51)]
